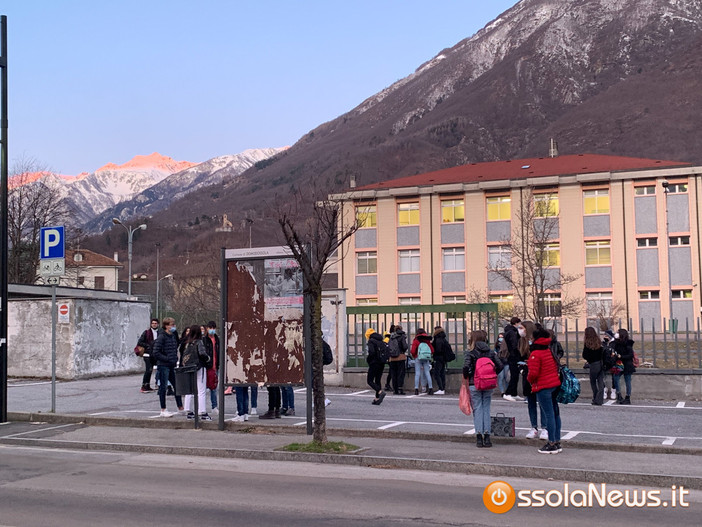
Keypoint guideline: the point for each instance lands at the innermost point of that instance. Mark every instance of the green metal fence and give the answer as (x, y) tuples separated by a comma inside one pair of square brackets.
[(458, 320)]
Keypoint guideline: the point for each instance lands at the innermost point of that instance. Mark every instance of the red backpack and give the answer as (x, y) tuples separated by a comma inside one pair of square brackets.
[(485, 377)]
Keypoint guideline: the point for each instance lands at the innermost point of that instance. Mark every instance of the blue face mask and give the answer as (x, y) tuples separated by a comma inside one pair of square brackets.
[(173, 329), (212, 331), (500, 339)]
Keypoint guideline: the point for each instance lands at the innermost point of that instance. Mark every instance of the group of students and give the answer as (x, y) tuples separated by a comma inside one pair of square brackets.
[(427, 354), (614, 356), (164, 349)]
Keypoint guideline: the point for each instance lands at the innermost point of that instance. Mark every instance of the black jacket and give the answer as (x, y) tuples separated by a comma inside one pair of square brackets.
[(375, 342), (165, 351), (592, 355), (441, 347), (512, 339), (147, 341), (626, 353), (481, 349), (211, 352)]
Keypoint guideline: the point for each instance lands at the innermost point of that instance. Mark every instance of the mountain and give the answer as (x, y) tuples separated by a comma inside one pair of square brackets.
[(175, 186)]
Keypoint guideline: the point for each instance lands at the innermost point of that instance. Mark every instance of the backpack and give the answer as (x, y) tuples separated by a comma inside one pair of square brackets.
[(609, 358), (327, 355), (570, 386), (485, 376), (394, 346), (190, 356), (383, 352), (424, 351), (448, 353)]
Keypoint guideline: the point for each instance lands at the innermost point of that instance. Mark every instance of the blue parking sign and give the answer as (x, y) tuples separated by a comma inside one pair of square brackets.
[(52, 243)]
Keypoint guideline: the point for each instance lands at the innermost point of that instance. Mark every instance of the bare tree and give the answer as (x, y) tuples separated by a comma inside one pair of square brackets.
[(313, 236), (533, 268), (32, 204)]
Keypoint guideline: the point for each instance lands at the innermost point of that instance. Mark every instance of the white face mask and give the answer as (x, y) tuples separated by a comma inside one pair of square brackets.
[(522, 332), (616, 335)]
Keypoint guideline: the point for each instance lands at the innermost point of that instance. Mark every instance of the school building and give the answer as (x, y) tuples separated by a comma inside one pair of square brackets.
[(627, 230)]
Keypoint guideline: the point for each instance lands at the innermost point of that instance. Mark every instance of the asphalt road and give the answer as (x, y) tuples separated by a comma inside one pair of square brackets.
[(676, 423), (62, 488)]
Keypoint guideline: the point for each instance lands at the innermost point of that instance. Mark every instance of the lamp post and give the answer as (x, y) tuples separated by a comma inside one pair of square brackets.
[(665, 185), (158, 258), (250, 222), (158, 309), (130, 234)]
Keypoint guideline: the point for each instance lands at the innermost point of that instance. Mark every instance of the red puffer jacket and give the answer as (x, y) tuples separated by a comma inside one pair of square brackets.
[(543, 371)]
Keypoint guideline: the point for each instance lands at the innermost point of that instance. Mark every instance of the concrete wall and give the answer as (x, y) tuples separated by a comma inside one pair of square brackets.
[(96, 338)]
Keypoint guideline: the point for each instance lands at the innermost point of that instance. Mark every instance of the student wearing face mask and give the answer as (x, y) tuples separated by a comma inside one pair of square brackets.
[(513, 332), (503, 355), (211, 341), (624, 347), (165, 352)]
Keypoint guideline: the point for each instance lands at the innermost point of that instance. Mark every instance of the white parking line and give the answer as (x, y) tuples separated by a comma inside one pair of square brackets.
[(681, 404), (391, 425), (355, 393), (610, 402), (669, 441), (469, 432), (570, 435), (38, 430)]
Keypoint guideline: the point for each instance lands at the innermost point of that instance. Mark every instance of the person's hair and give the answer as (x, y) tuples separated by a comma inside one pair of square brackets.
[(540, 333), (211, 324), (523, 345), (623, 334), (167, 322), (514, 320), (392, 328), (154, 320), (195, 333), (476, 336), (592, 339), (398, 327)]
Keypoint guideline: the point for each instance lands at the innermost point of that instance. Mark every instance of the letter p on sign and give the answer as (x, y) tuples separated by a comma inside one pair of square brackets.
[(52, 243)]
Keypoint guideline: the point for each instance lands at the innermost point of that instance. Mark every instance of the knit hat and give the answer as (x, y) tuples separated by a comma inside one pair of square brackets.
[(420, 331), (437, 330), (369, 332)]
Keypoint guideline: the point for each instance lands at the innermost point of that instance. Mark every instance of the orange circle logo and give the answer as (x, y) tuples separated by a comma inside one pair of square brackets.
[(499, 497)]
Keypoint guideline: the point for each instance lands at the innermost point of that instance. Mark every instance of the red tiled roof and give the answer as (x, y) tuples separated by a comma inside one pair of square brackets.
[(526, 168), (90, 259)]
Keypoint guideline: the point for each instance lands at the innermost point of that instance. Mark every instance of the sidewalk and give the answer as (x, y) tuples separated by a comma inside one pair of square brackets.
[(510, 457)]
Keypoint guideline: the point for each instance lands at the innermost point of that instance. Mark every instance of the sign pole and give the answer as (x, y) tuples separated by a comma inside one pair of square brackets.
[(4, 229), (53, 349)]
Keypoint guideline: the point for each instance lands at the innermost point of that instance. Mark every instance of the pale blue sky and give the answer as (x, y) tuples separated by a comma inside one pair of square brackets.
[(94, 81)]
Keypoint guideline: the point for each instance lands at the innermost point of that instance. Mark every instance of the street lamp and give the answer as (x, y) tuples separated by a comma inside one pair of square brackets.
[(665, 186), (158, 281), (250, 222), (130, 232)]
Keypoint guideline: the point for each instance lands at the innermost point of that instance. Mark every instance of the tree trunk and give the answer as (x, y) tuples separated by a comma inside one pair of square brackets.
[(320, 422)]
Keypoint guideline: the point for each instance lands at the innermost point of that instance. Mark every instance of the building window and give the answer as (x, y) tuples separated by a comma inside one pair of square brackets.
[(647, 242), (409, 301), (679, 240), (454, 299), (596, 201), (551, 255), (367, 262), (682, 294), (677, 188), (599, 304), (452, 211), (99, 282), (454, 259), (644, 191), (546, 205), (499, 208), (366, 301), (499, 257), (366, 217), (408, 261), (649, 295), (597, 253), (550, 305), (505, 304), (407, 214), (81, 280)]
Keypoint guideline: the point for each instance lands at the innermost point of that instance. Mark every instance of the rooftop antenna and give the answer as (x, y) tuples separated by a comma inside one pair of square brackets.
[(553, 149)]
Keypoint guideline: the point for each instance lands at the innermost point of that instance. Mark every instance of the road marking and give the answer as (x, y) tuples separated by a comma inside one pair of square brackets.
[(300, 390), (681, 404), (570, 435), (391, 425), (20, 385), (610, 402), (103, 413), (469, 432), (38, 430), (669, 441), (358, 393)]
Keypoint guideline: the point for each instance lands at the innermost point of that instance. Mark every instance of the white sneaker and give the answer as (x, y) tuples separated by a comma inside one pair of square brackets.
[(253, 411), (238, 419), (519, 398), (533, 433), (246, 417), (509, 398), (613, 394), (544, 434), (215, 411), (166, 413), (327, 402), (439, 392), (604, 393)]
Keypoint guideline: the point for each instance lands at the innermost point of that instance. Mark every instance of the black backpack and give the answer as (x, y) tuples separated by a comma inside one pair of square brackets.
[(383, 352), (609, 357), (327, 355), (394, 346)]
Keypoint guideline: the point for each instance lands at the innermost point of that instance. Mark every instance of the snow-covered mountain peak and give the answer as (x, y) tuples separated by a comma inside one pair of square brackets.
[(153, 161)]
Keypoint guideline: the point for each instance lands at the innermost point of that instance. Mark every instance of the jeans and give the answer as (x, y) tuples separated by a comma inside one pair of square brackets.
[(440, 374), (627, 383), (549, 405), (422, 368), (201, 378), (480, 401), (148, 370), (288, 396), (213, 398), (375, 375), (242, 399), (597, 382), (166, 374), (503, 379), (531, 402), (397, 374)]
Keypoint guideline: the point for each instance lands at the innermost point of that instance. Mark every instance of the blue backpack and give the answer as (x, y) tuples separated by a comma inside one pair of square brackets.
[(570, 386), (424, 351)]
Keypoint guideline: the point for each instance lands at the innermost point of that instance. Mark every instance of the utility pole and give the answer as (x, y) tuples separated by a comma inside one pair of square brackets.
[(3, 230)]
